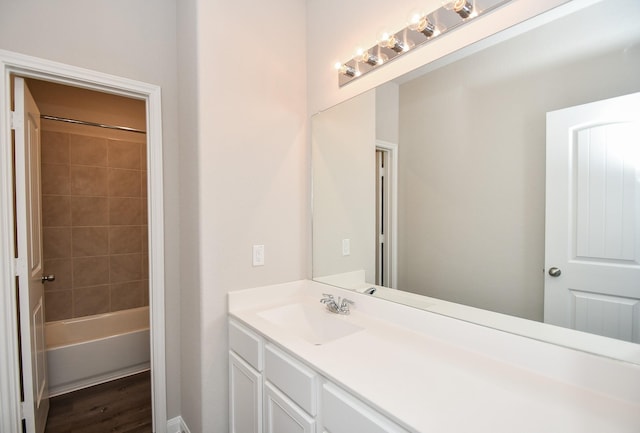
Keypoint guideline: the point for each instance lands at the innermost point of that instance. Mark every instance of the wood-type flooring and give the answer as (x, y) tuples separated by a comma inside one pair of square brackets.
[(122, 406)]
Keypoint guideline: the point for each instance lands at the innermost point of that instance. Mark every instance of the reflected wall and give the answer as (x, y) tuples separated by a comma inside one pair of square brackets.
[(472, 164)]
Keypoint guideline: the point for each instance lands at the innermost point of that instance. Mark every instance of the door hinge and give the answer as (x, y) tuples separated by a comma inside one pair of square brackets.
[(22, 410), (381, 239), (19, 267), (16, 121)]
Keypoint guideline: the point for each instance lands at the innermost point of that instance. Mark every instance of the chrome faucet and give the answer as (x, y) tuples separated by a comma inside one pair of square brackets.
[(339, 306)]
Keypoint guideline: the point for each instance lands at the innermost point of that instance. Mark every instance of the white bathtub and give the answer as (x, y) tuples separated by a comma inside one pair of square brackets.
[(96, 349)]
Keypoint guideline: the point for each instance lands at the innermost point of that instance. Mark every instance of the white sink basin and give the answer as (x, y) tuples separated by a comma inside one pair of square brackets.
[(313, 323)]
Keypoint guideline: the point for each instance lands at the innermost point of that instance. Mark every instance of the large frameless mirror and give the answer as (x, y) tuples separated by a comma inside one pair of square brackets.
[(499, 185)]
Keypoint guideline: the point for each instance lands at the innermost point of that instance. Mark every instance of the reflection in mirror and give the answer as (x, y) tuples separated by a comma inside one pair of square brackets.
[(453, 220)]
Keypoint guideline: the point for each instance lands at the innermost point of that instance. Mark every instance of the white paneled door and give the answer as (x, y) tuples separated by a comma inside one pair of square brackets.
[(592, 240), (29, 266)]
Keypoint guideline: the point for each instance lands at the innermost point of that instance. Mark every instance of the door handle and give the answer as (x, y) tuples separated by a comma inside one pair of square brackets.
[(49, 277), (555, 272)]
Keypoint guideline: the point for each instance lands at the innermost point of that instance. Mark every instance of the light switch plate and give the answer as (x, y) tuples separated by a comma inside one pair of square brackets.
[(346, 247), (258, 255)]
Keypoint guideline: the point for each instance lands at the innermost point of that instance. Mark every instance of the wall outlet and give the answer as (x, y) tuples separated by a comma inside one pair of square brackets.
[(346, 247), (258, 255)]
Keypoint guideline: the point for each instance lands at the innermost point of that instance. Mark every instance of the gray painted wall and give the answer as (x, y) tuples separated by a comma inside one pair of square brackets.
[(472, 164)]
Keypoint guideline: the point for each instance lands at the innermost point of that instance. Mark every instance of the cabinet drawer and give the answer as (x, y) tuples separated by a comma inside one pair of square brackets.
[(246, 344), (343, 413), (294, 379)]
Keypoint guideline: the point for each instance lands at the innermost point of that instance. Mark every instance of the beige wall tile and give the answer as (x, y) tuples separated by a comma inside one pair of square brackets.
[(145, 292), (125, 211), (90, 271), (143, 183), (144, 211), (124, 154), (56, 242), (89, 241), (125, 267), (55, 179), (125, 239), (126, 295), (143, 156), (88, 180), (145, 265), (91, 300), (55, 147), (58, 305), (89, 211), (61, 268), (124, 183), (77, 214), (85, 150), (56, 210)]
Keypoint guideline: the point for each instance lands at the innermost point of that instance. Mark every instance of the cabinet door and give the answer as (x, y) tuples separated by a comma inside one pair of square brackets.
[(245, 397), (343, 413), (284, 416)]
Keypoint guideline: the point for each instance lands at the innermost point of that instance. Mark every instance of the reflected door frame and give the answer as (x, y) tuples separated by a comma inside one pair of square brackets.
[(32, 67), (390, 240)]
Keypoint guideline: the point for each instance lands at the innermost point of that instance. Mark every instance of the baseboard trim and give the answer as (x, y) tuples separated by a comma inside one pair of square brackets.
[(177, 425), (97, 380)]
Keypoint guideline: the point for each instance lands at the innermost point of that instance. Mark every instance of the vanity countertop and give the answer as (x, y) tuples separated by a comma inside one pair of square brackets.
[(442, 374)]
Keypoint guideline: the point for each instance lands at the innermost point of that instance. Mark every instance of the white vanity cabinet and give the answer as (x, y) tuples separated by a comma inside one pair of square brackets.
[(270, 391)]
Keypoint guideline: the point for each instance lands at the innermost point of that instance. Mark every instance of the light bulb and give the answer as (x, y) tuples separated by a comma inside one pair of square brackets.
[(462, 7), (347, 70), (364, 56), (387, 40), (419, 22), (415, 16), (383, 38)]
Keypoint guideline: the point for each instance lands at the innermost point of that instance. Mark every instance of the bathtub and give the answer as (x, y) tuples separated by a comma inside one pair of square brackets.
[(91, 350)]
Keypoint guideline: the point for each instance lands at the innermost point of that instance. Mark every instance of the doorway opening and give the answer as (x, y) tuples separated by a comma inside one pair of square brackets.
[(386, 213), (94, 225), (83, 185)]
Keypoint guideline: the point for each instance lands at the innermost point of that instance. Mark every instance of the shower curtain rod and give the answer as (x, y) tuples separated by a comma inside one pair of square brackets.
[(84, 122)]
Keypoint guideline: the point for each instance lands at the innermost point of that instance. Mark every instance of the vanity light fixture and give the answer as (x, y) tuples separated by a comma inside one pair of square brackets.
[(464, 8), (421, 29)]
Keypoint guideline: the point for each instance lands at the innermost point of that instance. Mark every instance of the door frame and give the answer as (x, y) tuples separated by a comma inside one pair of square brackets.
[(392, 150), (32, 67)]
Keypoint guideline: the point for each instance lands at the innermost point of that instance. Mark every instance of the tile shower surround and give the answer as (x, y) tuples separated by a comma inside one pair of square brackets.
[(94, 213)]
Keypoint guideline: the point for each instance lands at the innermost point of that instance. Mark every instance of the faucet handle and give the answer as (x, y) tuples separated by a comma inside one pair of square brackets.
[(327, 298), (346, 301), (344, 305)]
